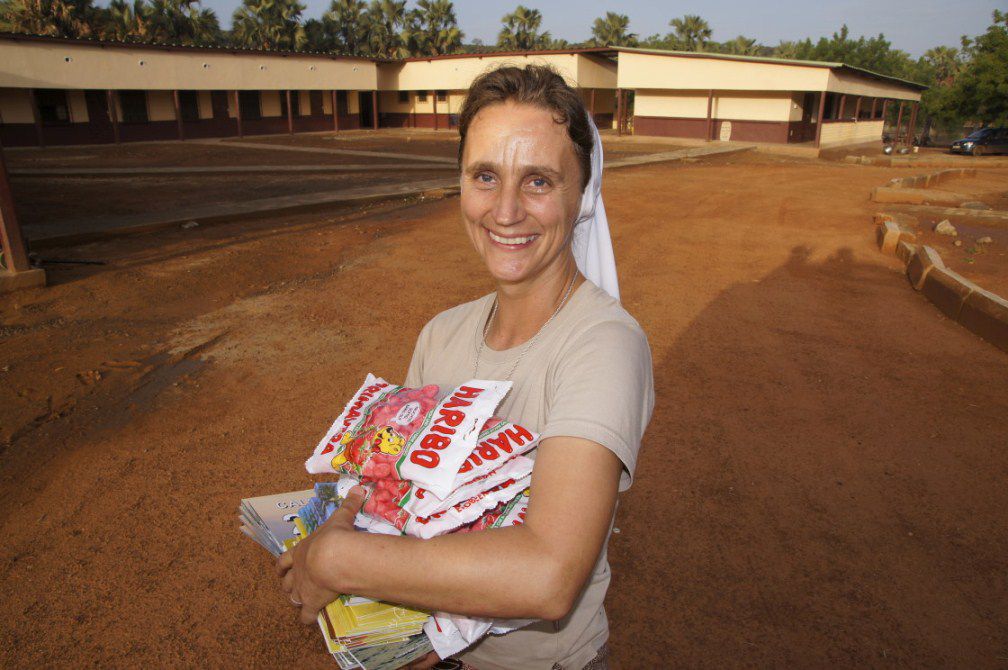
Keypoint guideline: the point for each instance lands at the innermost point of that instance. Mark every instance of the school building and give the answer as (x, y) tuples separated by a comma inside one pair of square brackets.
[(57, 92)]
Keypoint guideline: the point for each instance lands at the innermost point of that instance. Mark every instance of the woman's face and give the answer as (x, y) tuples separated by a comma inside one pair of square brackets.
[(521, 190)]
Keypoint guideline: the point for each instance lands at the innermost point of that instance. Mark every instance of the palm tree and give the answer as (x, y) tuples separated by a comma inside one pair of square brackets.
[(268, 24), (742, 46), (945, 63), (692, 32), (125, 21), (385, 19), (612, 29), (521, 30), (346, 21), (56, 18), (432, 29)]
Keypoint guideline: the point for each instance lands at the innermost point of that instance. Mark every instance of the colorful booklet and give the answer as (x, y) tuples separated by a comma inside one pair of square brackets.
[(358, 632)]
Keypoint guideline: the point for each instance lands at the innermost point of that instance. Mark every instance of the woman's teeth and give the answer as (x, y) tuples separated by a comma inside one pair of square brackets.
[(511, 240)]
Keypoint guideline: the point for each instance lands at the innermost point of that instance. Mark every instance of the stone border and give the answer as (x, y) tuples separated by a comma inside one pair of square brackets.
[(932, 178), (981, 312)]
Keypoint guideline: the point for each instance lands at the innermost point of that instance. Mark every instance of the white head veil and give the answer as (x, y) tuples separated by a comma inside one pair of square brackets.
[(592, 245)]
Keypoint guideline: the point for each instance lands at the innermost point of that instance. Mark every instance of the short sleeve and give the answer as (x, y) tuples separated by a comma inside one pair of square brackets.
[(603, 390), (414, 374)]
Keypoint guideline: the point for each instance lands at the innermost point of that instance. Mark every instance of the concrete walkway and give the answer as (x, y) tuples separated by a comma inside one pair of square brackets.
[(321, 150), (77, 230), (663, 156)]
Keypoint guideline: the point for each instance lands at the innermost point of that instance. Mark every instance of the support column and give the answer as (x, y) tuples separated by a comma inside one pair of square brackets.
[(434, 99), (857, 109), (874, 103), (912, 124), (819, 121), (336, 111), (619, 111), (39, 135), (899, 123), (238, 117), (843, 107), (113, 114), (290, 114), (710, 107), (11, 241), (374, 110), (178, 114)]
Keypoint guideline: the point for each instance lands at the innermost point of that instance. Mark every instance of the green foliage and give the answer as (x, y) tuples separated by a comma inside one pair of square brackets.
[(980, 92), (521, 31), (268, 24), (692, 33), (611, 29), (432, 29), (55, 18)]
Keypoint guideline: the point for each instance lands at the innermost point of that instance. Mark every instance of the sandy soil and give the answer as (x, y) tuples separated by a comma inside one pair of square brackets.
[(822, 483)]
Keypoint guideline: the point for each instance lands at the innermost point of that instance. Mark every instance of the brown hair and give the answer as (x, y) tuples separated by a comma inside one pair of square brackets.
[(539, 85)]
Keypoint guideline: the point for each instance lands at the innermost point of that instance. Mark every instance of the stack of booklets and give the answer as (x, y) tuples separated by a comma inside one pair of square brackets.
[(358, 632)]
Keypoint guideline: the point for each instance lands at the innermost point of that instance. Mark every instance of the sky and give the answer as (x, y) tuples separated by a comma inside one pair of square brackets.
[(914, 26)]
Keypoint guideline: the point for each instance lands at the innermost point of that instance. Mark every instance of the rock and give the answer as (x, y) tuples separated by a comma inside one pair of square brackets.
[(985, 240), (975, 204), (189, 224), (958, 243), (946, 228)]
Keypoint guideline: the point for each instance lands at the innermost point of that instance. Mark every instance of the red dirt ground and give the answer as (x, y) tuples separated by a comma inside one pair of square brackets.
[(822, 483)]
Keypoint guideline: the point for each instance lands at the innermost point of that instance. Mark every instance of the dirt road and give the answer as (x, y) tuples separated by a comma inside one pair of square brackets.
[(822, 482)]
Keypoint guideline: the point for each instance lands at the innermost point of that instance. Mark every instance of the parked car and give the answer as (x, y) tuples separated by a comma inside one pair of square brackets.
[(983, 141)]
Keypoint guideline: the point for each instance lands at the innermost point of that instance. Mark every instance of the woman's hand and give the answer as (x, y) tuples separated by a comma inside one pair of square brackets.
[(306, 571)]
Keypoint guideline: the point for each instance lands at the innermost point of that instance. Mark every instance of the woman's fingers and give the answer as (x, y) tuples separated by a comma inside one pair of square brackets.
[(284, 563)]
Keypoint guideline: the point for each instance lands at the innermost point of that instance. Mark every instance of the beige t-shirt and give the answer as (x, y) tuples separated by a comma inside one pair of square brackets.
[(589, 374)]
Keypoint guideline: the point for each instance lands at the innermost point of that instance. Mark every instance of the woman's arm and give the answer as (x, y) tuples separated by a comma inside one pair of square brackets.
[(536, 570)]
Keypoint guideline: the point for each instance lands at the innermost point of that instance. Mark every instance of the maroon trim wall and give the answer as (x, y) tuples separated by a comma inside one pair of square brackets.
[(23, 134), (742, 129)]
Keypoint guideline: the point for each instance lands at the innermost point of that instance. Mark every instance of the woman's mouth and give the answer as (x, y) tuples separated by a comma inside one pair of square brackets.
[(514, 242)]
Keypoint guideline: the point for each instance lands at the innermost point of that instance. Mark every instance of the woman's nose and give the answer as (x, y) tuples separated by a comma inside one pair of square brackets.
[(508, 210)]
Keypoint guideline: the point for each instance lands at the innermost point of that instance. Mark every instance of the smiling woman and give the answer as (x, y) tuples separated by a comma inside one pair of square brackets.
[(531, 167)]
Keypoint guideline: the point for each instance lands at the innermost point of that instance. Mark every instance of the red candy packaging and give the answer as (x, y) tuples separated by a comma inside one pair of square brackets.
[(432, 462)]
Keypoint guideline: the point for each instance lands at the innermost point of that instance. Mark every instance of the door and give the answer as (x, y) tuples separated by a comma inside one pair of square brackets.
[(99, 128), (219, 105), (366, 110)]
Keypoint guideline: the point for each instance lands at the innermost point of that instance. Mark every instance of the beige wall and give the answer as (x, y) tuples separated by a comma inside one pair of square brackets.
[(388, 101), (458, 73), (839, 133), (160, 106), (752, 106), (269, 102), (15, 106), (852, 84), (764, 106), (205, 105), (679, 104), (78, 106), (650, 71), (25, 64)]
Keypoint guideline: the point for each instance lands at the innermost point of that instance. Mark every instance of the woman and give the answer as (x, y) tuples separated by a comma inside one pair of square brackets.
[(531, 163)]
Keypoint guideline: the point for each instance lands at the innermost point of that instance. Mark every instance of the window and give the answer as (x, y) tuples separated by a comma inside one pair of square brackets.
[(442, 96), (295, 98), (189, 105), (52, 106), (134, 106), (248, 104), (421, 96), (403, 96)]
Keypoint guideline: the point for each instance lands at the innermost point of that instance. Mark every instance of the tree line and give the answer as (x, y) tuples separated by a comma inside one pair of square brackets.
[(966, 83)]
